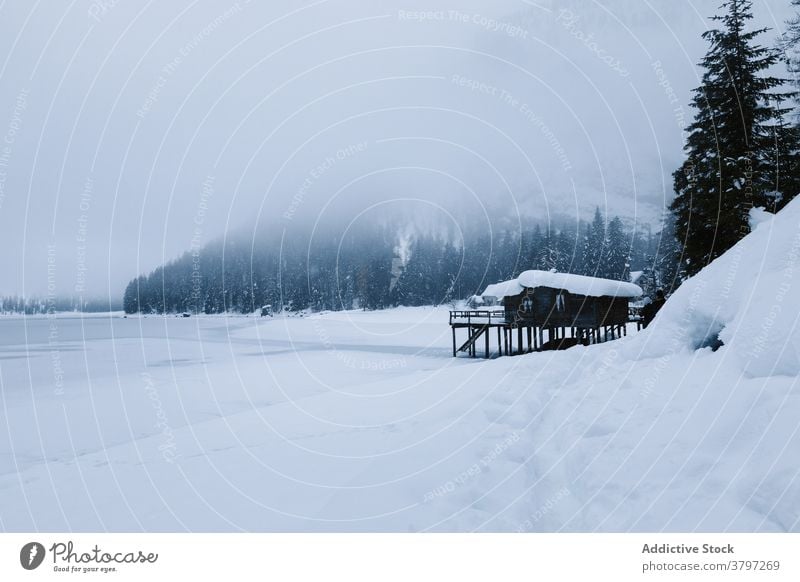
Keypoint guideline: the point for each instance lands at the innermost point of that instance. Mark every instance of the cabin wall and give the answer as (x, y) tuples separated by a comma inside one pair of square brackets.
[(542, 307), (612, 310)]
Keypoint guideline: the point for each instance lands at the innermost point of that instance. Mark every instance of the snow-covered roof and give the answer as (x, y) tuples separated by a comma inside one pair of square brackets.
[(503, 289), (577, 284), (636, 275)]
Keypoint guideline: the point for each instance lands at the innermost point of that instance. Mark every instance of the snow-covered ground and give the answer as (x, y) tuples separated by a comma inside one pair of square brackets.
[(361, 421)]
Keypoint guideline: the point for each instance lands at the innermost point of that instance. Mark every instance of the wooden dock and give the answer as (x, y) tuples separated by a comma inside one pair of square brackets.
[(530, 337)]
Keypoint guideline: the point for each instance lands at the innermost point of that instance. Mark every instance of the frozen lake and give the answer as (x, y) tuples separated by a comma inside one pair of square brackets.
[(361, 421), (219, 423)]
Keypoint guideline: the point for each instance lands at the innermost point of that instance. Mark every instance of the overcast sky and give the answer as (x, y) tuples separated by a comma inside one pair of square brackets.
[(131, 130)]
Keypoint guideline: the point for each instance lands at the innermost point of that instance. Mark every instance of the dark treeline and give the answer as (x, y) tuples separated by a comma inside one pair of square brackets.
[(377, 267), (39, 305)]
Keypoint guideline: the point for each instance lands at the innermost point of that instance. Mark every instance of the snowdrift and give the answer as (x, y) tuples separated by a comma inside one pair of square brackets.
[(749, 298)]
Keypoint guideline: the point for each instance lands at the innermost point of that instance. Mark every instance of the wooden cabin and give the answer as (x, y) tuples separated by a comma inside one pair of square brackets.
[(548, 299), (570, 309)]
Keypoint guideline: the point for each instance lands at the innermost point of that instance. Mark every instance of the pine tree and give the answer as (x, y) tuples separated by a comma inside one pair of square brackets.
[(791, 42), (527, 252), (616, 260), (131, 299), (506, 256), (416, 284), (449, 267), (667, 258), (730, 165), (783, 161), (594, 246), (567, 251), (532, 248)]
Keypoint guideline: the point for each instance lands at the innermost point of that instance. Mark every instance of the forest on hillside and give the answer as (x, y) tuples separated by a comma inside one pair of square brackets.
[(378, 267), (35, 304)]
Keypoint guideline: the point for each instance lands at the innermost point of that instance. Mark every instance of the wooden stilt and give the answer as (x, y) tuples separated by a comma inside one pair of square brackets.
[(472, 345)]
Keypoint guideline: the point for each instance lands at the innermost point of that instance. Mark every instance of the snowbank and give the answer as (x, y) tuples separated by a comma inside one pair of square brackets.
[(749, 298)]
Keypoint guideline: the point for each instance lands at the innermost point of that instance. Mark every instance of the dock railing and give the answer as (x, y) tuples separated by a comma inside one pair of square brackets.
[(478, 317)]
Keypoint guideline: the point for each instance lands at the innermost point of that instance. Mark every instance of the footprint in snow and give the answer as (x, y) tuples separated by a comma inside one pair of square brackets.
[(598, 430)]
